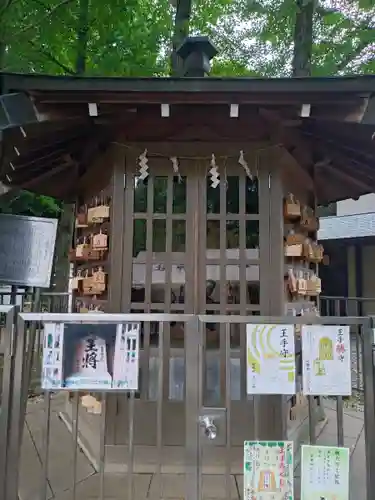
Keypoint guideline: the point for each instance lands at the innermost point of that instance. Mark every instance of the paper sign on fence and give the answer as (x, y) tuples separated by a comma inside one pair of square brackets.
[(271, 362), (326, 360), (324, 473), (268, 470)]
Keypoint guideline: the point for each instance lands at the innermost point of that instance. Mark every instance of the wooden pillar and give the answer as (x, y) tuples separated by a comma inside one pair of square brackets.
[(116, 241), (271, 415)]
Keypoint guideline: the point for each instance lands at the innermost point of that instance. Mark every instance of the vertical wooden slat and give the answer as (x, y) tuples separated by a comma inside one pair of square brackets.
[(148, 287), (116, 231), (127, 233), (264, 239), (277, 268), (159, 411), (191, 346), (168, 285), (192, 198), (202, 239), (130, 461), (202, 271), (273, 417), (120, 178), (243, 282), (113, 403), (223, 279), (228, 406), (264, 269)]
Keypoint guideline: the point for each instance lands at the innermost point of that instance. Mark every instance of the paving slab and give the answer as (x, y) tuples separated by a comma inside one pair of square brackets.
[(115, 488), (30, 474), (146, 485), (357, 476), (61, 454), (174, 486)]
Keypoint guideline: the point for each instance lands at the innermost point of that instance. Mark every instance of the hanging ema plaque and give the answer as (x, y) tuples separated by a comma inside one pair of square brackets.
[(90, 357), (27, 246)]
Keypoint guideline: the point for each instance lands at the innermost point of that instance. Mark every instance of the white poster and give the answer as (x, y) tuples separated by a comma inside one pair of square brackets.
[(90, 356), (271, 363), (324, 473), (326, 360)]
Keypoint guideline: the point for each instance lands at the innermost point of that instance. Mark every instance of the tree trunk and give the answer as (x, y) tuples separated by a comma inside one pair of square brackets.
[(181, 31), (82, 36), (63, 244), (67, 218), (303, 38)]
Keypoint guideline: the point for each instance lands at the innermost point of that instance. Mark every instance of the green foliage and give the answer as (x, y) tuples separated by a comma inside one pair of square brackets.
[(255, 37), (26, 203), (133, 38)]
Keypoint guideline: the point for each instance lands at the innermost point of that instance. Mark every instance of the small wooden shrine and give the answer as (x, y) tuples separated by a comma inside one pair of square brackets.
[(193, 195)]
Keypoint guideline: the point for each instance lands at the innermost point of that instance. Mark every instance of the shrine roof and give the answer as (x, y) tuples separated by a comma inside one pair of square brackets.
[(50, 138), (36, 82)]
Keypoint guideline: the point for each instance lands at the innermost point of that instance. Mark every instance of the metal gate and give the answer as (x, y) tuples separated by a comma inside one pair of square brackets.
[(204, 461)]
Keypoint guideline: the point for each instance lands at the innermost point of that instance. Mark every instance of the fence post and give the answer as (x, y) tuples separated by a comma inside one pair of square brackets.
[(6, 397), (369, 410), (192, 401), (18, 406)]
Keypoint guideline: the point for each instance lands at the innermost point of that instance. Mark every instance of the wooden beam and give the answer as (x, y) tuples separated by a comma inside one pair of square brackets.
[(166, 149), (46, 175), (97, 176), (291, 138), (348, 179), (368, 115)]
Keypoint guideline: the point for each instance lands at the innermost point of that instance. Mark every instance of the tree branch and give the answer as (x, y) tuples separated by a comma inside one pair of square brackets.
[(52, 58), (350, 57), (49, 14), (6, 6)]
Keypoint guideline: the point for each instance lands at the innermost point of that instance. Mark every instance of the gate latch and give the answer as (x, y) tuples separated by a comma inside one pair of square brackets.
[(209, 427), (212, 422)]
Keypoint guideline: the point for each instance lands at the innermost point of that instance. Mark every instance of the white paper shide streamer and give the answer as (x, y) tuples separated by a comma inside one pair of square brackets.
[(143, 165), (215, 176), (175, 166), (244, 165)]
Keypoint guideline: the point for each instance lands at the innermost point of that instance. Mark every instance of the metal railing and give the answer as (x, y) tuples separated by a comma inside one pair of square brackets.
[(172, 427), (33, 300), (28, 301), (346, 306)]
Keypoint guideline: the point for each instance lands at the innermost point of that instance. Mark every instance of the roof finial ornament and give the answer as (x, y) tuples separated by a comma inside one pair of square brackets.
[(196, 53)]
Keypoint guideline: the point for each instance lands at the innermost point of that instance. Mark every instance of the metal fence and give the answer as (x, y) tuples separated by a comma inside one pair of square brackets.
[(193, 433), (33, 300), (346, 306)]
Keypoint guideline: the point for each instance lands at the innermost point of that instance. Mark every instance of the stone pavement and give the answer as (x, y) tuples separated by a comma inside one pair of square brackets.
[(354, 439), (146, 486)]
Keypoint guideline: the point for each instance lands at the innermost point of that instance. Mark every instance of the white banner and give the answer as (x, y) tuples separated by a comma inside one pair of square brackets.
[(326, 360)]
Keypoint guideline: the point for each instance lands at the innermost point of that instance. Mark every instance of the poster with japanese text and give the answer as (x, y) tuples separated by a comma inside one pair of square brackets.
[(324, 473), (79, 356), (268, 470), (271, 362), (326, 360)]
